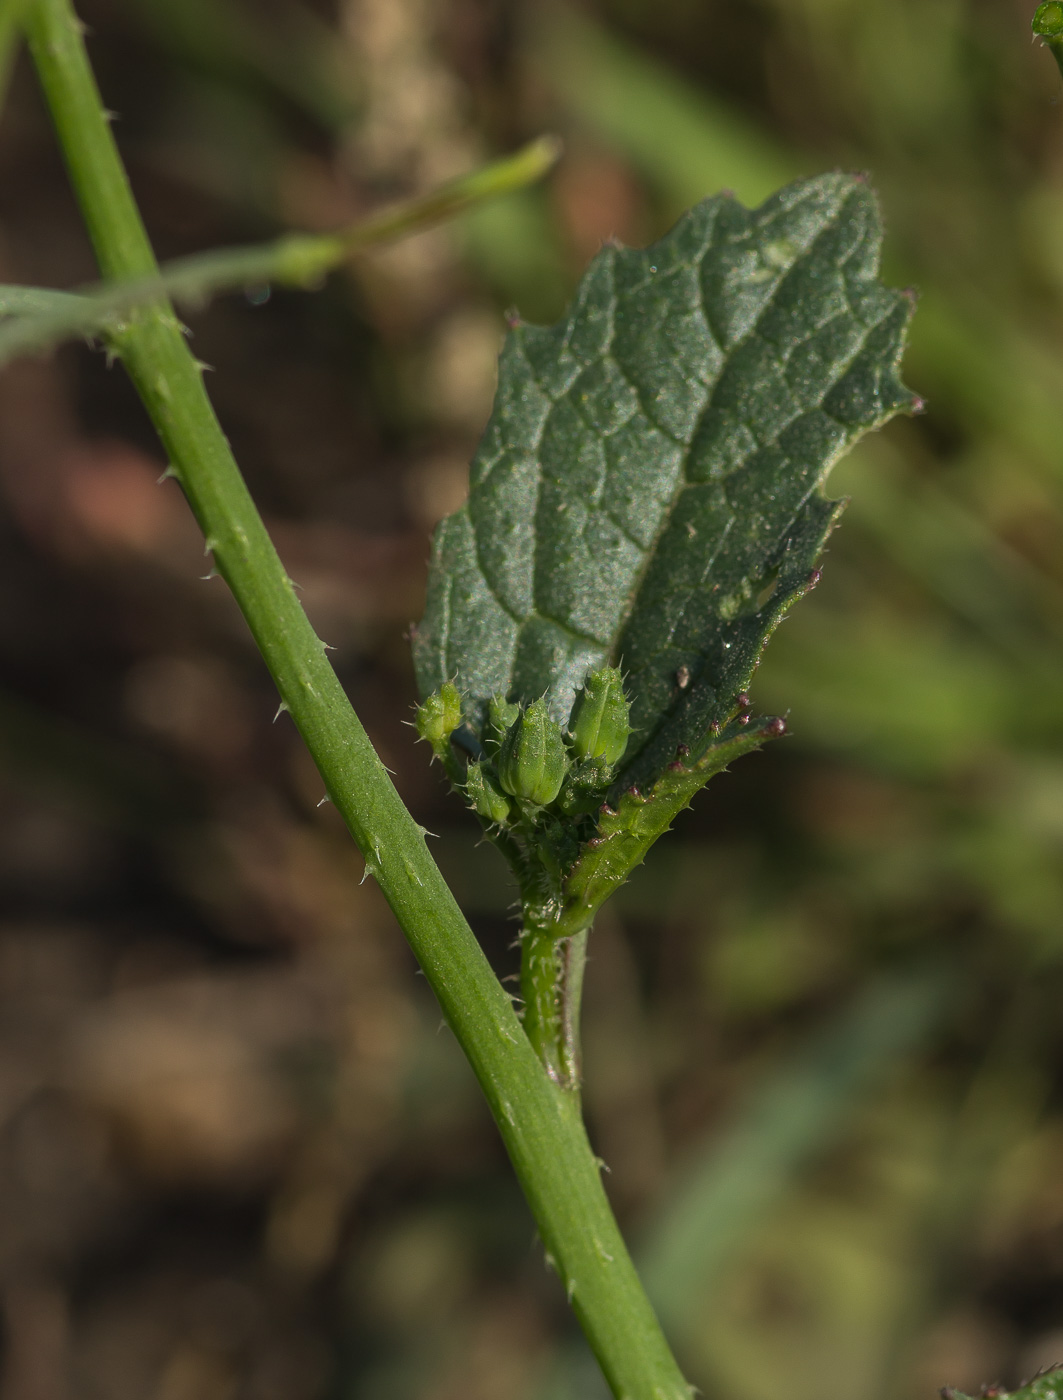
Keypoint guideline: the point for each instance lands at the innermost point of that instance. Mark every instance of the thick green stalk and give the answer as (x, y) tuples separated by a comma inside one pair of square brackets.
[(541, 1125)]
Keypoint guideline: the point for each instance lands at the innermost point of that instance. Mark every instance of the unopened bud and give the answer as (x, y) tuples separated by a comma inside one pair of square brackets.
[(487, 798), (439, 716), (500, 715), (599, 725), (532, 762)]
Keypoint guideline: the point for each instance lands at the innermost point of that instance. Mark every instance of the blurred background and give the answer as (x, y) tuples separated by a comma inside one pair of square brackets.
[(824, 1050)]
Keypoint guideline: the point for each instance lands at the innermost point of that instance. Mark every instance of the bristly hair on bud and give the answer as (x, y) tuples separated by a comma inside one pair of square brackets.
[(488, 800), (533, 761), (599, 726), (439, 716), (500, 716)]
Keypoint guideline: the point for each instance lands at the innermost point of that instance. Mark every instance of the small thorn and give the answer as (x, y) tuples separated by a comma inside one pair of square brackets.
[(635, 793), (743, 701), (282, 708), (606, 811), (917, 406), (742, 720), (168, 472), (206, 578), (777, 728), (813, 578), (325, 799)]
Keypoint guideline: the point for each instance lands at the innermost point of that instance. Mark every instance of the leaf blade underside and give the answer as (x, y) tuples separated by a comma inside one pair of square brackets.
[(647, 492)]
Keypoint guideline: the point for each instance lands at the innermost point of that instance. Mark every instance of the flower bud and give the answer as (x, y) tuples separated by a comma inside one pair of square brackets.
[(532, 761), (439, 716), (500, 715), (600, 727), (487, 798)]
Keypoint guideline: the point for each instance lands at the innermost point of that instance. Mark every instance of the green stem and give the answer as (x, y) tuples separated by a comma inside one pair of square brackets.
[(299, 260), (540, 1124), (551, 984)]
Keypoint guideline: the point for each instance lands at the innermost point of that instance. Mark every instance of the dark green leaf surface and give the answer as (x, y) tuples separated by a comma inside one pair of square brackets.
[(647, 490), (1048, 1386)]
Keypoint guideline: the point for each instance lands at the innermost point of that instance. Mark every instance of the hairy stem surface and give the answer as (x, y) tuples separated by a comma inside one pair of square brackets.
[(551, 985), (540, 1123)]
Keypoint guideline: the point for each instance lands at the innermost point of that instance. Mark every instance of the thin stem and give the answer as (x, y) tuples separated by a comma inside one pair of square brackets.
[(300, 260), (551, 984), (573, 964), (540, 1124)]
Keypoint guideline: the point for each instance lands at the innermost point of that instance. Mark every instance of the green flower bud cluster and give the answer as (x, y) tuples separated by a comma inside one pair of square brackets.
[(529, 763)]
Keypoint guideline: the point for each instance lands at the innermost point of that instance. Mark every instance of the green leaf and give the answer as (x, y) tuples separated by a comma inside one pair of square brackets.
[(1048, 1386), (647, 493)]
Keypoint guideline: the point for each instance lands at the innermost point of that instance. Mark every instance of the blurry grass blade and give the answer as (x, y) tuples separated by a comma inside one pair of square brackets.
[(915, 696), (10, 17), (995, 372), (1048, 25), (684, 142), (294, 53), (941, 541), (39, 301), (796, 1114), (298, 260)]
